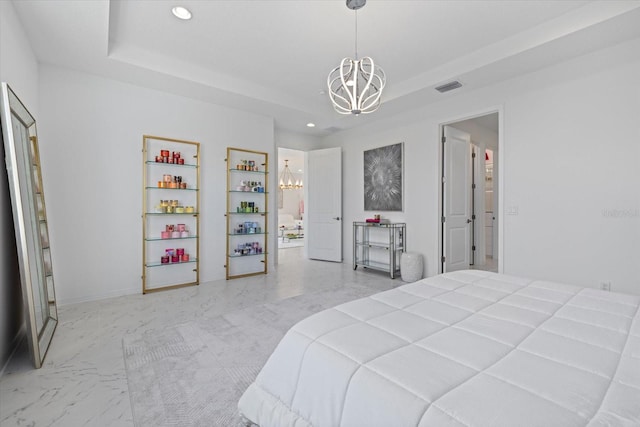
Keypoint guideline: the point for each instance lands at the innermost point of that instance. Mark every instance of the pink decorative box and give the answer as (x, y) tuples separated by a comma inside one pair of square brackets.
[(165, 234)]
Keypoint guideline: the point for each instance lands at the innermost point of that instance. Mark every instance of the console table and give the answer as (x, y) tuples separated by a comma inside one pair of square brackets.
[(379, 246)]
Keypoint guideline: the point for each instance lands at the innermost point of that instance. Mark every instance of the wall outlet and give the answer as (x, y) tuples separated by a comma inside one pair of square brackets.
[(605, 286), (512, 210)]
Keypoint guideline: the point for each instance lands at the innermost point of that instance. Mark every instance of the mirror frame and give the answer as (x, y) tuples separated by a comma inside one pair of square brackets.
[(30, 223)]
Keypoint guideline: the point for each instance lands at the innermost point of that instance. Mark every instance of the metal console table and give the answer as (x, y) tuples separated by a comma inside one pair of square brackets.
[(379, 246)]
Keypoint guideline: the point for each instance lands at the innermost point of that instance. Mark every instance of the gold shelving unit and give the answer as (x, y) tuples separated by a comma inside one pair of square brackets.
[(170, 213), (247, 212)]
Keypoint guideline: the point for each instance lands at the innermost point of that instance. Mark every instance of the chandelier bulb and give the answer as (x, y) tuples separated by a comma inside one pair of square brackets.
[(287, 178)]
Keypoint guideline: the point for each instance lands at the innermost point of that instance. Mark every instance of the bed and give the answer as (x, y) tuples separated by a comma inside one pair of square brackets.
[(468, 348)]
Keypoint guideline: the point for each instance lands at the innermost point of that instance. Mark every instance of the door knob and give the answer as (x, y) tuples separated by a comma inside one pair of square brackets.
[(337, 218), (468, 221)]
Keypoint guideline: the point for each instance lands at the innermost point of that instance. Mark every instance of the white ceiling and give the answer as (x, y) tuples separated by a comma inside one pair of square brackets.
[(272, 57)]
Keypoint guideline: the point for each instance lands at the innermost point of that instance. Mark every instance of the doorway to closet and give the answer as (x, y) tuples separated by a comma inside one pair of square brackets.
[(469, 194)]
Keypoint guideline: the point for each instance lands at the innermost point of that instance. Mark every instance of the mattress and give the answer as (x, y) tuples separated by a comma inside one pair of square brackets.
[(468, 348)]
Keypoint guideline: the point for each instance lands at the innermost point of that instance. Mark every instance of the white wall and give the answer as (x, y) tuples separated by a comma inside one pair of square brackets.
[(570, 151), (291, 201), (420, 189), (571, 157), (91, 141), (18, 68), (297, 141), (18, 64)]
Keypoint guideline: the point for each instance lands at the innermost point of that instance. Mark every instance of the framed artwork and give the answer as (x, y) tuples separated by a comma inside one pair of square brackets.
[(383, 178)]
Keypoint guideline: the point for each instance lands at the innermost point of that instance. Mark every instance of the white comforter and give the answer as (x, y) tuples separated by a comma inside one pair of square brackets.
[(468, 348)]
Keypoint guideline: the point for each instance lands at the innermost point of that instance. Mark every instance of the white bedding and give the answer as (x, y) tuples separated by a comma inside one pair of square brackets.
[(469, 348)]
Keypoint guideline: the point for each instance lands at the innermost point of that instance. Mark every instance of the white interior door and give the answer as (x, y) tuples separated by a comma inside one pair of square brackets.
[(457, 199), (323, 192)]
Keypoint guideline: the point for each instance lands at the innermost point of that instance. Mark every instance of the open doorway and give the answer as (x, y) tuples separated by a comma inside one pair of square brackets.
[(469, 194), (290, 201)]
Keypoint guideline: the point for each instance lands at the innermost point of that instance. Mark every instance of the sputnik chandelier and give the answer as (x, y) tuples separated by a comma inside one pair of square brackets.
[(356, 84), (286, 179)]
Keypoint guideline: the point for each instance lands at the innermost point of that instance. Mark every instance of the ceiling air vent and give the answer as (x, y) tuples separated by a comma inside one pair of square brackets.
[(449, 86)]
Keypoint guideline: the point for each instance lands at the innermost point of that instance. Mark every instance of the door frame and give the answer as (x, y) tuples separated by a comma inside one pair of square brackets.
[(499, 109)]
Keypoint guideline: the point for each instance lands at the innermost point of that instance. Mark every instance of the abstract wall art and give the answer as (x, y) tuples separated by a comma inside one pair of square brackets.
[(383, 178)]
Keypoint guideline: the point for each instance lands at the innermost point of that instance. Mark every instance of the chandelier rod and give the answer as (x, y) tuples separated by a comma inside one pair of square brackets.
[(356, 13), (356, 84)]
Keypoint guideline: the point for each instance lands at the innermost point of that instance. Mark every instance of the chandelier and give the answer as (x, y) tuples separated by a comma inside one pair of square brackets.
[(356, 84), (287, 179)]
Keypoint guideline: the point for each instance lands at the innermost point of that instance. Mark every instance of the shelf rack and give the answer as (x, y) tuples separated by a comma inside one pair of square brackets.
[(247, 181), (379, 246), (156, 274)]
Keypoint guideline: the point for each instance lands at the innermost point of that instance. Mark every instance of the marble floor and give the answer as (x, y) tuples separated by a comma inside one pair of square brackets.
[(83, 380), (491, 264), (290, 243)]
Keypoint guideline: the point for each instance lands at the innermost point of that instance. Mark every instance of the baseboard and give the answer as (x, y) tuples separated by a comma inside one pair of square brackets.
[(113, 294), (122, 292), (15, 343)]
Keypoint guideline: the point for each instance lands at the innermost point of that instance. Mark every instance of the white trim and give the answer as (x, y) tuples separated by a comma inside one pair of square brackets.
[(500, 169), (15, 343), (106, 295)]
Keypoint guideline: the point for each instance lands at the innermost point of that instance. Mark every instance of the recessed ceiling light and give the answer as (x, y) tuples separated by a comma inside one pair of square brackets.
[(181, 12), (311, 125)]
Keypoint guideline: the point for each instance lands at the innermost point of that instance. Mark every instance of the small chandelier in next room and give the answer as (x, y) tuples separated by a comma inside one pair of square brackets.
[(287, 179), (356, 84)]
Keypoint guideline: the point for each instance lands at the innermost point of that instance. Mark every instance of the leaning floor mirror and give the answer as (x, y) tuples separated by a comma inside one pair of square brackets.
[(30, 222)]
